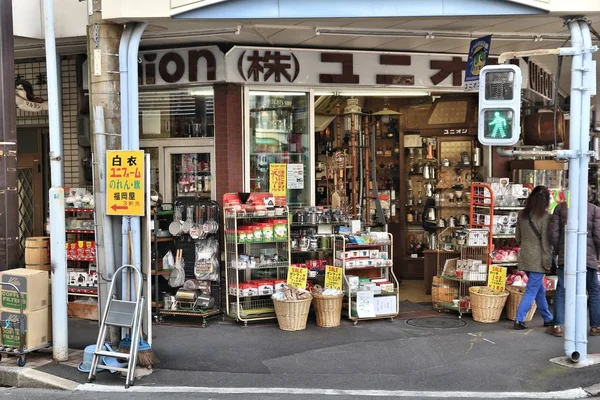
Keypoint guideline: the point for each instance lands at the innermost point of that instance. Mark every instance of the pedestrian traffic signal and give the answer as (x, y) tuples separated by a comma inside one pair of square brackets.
[(499, 105)]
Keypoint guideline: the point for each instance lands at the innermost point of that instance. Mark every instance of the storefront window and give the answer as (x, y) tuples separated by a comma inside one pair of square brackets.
[(181, 113), (279, 145)]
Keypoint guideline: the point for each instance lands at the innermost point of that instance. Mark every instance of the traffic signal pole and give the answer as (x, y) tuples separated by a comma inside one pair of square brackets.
[(583, 71)]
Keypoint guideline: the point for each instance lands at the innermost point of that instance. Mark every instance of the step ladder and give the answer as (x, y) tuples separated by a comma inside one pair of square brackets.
[(122, 314)]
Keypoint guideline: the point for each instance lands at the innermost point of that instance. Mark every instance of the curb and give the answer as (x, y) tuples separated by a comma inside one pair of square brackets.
[(593, 390), (23, 377)]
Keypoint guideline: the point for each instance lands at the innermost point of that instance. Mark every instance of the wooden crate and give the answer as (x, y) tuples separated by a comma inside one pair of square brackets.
[(83, 311)]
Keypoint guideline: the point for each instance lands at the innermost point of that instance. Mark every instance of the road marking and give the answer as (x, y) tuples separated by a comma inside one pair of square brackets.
[(578, 393)]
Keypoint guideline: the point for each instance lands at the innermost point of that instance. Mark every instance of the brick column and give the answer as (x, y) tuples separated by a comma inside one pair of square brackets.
[(229, 139)]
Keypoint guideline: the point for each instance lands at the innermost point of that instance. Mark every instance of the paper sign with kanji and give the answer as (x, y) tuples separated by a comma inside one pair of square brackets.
[(278, 179), (497, 278), (297, 277), (333, 277), (125, 182)]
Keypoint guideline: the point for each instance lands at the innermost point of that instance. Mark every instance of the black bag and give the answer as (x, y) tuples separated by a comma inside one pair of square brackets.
[(552, 270)]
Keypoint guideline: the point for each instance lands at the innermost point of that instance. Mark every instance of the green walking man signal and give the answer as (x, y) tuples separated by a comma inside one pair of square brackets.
[(499, 105)]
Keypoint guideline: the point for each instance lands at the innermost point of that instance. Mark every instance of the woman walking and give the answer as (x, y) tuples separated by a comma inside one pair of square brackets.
[(536, 254)]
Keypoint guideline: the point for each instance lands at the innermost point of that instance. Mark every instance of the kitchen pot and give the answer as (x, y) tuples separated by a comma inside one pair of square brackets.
[(441, 223)]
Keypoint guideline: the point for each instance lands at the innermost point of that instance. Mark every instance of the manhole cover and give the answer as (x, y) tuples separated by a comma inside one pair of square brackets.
[(436, 323)]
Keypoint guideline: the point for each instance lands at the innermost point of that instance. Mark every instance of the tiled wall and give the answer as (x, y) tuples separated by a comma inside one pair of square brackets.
[(34, 71)]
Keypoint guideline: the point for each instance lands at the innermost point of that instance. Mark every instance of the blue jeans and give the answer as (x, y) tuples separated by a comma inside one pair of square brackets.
[(535, 290), (593, 289)]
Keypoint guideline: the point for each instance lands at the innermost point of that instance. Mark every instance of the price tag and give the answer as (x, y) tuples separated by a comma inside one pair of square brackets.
[(297, 277), (333, 277), (497, 278)]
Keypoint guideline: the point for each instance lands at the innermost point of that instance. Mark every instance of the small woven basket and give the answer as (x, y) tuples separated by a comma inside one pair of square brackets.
[(328, 309), (486, 308), (515, 294), (292, 314)]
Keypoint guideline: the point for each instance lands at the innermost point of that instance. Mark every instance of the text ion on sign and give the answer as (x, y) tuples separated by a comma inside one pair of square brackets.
[(125, 182)]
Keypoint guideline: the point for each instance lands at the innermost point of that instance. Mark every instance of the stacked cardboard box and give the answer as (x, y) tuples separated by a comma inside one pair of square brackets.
[(35, 296)]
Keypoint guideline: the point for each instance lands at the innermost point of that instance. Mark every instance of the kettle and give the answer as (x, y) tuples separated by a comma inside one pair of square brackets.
[(463, 220), (427, 172), (433, 241), (428, 189), (431, 214), (452, 222), (441, 223)]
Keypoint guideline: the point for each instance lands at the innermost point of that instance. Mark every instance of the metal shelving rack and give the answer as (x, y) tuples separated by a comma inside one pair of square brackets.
[(386, 272), (258, 307)]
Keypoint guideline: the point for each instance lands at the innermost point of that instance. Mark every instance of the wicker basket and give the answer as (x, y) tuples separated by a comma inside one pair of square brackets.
[(486, 308), (443, 290), (328, 309), (512, 304), (292, 314)]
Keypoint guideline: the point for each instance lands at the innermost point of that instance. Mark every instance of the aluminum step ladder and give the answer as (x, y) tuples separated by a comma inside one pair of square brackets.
[(122, 314)]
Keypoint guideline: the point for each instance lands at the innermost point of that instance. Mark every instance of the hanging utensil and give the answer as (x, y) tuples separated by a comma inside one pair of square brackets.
[(201, 221), (196, 229), (187, 224), (175, 227)]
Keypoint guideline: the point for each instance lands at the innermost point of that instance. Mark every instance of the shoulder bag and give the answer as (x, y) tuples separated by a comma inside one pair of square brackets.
[(554, 257)]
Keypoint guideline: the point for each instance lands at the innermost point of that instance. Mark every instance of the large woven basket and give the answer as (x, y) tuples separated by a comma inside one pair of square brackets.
[(515, 294), (486, 308), (328, 309), (443, 290), (292, 314)]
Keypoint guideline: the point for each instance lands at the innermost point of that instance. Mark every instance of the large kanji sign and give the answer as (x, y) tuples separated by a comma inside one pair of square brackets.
[(125, 182)]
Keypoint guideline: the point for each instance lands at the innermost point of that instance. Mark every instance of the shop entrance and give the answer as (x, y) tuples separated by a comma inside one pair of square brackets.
[(31, 183)]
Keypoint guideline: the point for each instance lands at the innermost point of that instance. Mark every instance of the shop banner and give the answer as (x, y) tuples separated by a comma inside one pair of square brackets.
[(297, 277), (497, 278), (479, 51), (125, 182), (277, 180), (333, 277)]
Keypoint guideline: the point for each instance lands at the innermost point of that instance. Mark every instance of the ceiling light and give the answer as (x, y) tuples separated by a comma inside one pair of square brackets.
[(201, 92), (373, 93)]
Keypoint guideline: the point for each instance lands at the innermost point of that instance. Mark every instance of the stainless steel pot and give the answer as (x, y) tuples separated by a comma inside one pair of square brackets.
[(441, 223)]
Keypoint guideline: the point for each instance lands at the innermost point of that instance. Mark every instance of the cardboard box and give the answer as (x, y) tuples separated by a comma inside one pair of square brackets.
[(33, 286), (36, 324)]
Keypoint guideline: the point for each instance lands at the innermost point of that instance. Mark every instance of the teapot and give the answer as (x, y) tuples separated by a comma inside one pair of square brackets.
[(441, 223), (452, 222), (431, 214), (463, 220)]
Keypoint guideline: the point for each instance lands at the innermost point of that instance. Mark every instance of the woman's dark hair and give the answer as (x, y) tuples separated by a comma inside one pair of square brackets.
[(537, 202)]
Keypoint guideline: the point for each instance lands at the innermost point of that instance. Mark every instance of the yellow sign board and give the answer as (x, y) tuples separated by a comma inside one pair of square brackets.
[(278, 180), (297, 277), (125, 182), (333, 277), (497, 278)]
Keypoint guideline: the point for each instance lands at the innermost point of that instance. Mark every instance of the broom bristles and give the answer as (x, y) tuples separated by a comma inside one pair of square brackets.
[(147, 359)]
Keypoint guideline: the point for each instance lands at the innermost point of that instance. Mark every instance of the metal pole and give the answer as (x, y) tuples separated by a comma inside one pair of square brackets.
[(574, 183), (9, 222), (58, 256)]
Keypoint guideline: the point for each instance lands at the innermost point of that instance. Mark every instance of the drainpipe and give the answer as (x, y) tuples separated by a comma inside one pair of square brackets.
[(574, 189), (124, 76), (512, 153), (134, 125), (58, 254), (581, 295)]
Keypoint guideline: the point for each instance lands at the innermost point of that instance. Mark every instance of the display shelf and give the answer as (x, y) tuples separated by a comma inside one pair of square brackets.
[(253, 309), (317, 250), (282, 264), (82, 231), (393, 293), (351, 246), (509, 208), (453, 278), (506, 264), (163, 239), (503, 236), (373, 267), (310, 224), (244, 216), (86, 210), (81, 258)]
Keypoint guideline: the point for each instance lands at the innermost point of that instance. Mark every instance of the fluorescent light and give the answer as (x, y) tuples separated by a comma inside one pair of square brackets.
[(234, 30), (373, 93), (260, 93), (201, 92)]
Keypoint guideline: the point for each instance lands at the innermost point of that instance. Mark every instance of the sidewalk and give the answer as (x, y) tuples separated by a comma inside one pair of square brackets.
[(372, 355)]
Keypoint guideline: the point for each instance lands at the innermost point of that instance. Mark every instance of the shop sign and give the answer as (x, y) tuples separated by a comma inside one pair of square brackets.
[(333, 277), (277, 180), (337, 67), (497, 277), (297, 277), (461, 131), (540, 81), (180, 66), (478, 56), (125, 182)]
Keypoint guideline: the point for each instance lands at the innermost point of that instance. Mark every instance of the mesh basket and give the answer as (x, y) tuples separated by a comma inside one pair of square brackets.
[(292, 314), (486, 308), (443, 290), (328, 309), (515, 294)]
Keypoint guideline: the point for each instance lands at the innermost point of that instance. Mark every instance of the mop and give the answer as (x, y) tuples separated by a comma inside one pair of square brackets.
[(146, 357)]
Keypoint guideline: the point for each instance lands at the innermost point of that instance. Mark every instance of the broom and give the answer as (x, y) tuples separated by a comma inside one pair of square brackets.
[(146, 357)]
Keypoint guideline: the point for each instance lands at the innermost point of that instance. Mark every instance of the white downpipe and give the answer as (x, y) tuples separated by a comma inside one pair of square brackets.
[(134, 125), (581, 299), (124, 82), (58, 253), (574, 189)]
